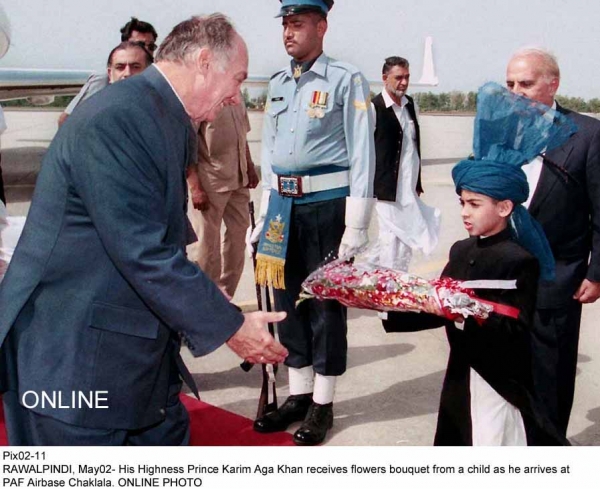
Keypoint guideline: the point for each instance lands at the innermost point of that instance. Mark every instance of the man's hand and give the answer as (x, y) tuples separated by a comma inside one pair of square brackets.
[(252, 176), (252, 341), (200, 199), (588, 292)]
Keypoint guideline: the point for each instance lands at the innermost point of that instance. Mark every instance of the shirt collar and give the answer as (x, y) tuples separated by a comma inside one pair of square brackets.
[(162, 85), (551, 113), (484, 242), (170, 84), (319, 67), (389, 101)]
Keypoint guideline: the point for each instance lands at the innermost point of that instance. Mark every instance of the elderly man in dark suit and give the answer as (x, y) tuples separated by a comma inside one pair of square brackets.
[(565, 199), (99, 292)]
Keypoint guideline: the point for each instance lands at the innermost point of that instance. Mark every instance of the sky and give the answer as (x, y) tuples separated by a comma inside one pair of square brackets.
[(472, 39)]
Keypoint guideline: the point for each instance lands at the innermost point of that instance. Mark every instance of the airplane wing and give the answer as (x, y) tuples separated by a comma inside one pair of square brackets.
[(40, 85), (21, 83)]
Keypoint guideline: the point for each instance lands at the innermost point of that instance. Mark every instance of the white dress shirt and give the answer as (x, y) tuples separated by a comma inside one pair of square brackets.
[(407, 224), (532, 171)]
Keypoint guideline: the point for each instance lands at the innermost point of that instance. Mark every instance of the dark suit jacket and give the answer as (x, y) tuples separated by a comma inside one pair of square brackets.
[(568, 208), (99, 288)]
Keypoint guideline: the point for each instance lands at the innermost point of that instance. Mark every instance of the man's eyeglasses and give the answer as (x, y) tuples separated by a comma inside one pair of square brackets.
[(148, 46)]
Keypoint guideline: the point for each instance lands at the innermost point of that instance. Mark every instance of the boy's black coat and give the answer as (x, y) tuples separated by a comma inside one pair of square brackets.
[(499, 349)]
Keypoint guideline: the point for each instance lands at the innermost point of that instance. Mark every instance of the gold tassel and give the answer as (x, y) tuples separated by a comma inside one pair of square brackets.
[(270, 271)]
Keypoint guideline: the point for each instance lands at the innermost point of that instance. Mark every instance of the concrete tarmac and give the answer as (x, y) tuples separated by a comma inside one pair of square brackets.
[(390, 393)]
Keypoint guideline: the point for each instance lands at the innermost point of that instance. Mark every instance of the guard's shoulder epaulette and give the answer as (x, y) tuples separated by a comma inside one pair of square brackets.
[(350, 68), (278, 73)]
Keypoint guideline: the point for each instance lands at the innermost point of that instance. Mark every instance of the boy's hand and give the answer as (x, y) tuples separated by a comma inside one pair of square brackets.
[(432, 306)]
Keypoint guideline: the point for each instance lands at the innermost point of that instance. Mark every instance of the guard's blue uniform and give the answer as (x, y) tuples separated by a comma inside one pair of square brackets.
[(321, 120), (343, 136)]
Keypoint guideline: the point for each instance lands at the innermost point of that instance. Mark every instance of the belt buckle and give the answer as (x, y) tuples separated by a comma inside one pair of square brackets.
[(289, 186)]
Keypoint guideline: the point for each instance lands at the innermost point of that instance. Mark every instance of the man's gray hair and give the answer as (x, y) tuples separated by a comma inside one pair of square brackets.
[(214, 32), (549, 64)]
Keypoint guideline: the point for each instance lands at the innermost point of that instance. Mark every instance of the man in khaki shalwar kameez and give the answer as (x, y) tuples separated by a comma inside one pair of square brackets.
[(219, 192)]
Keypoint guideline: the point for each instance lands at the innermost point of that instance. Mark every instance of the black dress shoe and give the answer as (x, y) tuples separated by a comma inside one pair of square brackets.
[(292, 410), (313, 430)]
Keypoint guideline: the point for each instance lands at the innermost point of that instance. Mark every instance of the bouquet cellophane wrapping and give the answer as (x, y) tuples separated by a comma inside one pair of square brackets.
[(365, 285)]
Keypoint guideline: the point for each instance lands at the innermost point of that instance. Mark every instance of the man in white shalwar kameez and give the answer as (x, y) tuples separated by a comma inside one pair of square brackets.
[(405, 222)]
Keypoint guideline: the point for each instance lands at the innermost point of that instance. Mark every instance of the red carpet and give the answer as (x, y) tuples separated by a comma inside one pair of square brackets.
[(210, 426)]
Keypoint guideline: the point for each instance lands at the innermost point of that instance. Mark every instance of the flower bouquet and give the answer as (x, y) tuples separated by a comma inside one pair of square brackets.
[(370, 286)]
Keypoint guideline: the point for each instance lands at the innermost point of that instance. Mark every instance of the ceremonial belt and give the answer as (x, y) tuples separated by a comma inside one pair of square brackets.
[(326, 182), (292, 185), (319, 184)]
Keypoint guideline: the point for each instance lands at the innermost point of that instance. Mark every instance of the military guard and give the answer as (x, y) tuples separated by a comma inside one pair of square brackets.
[(318, 164)]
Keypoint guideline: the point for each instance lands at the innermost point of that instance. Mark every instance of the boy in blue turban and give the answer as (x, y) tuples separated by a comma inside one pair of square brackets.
[(486, 397)]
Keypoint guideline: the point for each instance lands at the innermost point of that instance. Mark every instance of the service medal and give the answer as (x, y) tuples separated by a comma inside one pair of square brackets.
[(319, 99), (318, 104)]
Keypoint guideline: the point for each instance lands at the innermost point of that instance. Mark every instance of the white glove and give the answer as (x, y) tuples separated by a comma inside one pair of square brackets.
[(252, 236), (358, 216)]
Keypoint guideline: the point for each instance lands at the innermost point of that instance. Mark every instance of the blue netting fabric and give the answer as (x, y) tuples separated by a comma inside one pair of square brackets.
[(510, 131), (514, 129)]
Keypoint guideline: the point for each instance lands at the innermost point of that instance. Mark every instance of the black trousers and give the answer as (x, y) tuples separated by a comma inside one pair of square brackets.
[(315, 332), (555, 342)]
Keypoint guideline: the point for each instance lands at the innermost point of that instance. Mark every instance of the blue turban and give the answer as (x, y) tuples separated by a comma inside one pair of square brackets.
[(494, 179), (511, 130)]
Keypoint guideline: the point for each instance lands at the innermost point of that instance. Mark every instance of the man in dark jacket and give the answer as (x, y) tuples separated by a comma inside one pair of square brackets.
[(99, 291), (565, 200)]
